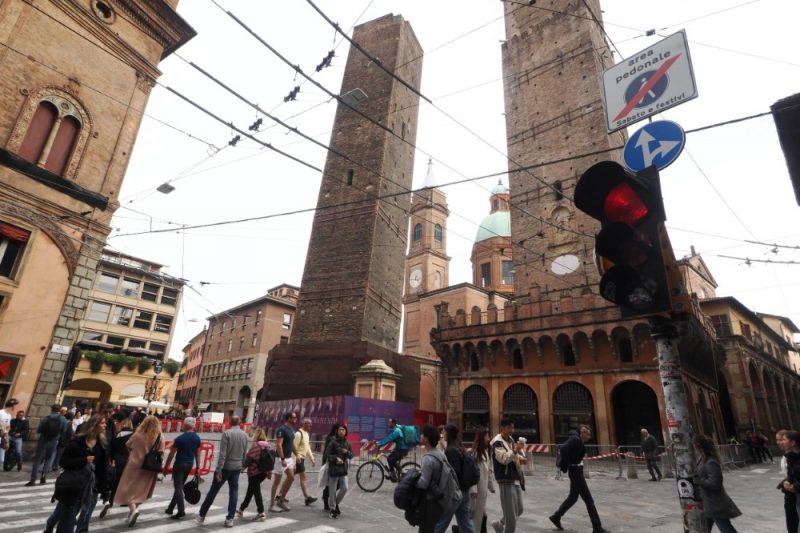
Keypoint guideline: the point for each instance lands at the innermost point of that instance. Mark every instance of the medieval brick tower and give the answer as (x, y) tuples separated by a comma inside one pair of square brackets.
[(552, 62), (349, 309)]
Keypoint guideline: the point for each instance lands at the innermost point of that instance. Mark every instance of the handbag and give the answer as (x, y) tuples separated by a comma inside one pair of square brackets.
[(337, 469), (72, 483), (191, 490), (154, 458)]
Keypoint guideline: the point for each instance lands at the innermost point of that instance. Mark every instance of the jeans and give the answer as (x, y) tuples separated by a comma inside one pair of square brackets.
[(337, 488), (463, 518), (179, 474), (652, 467), (57, 460), (578, 487), (45, 452), (231, 477), (723, 524), (86, 514), (394, 459), (64, 516), (254, 491), (511, 503), (16, 444)]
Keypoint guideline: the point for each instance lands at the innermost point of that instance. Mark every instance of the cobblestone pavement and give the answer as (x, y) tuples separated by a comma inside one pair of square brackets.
[(634, 505)]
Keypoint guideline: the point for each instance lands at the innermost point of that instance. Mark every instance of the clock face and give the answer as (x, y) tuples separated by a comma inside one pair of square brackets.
[(415, 278)]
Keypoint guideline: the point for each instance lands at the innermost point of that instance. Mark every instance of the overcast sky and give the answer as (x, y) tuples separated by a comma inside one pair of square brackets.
[(729, 186)]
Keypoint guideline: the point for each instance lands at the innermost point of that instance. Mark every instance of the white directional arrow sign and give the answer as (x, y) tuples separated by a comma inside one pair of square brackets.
[(662, 148), (655, 144)]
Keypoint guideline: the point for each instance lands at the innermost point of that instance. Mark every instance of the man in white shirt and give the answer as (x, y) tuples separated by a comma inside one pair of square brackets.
[(5, 424)]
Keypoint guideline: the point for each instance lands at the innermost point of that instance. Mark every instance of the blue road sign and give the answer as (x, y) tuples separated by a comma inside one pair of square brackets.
[(658, 143)]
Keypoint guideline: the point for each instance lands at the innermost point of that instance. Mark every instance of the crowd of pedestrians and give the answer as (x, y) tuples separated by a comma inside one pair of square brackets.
[(103, 458)]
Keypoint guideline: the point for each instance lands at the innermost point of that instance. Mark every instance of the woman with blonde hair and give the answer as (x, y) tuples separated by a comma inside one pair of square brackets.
[(137, 484), (257, 472)]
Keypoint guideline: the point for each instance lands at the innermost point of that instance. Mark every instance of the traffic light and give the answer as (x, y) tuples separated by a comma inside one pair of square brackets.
[(628, 248)]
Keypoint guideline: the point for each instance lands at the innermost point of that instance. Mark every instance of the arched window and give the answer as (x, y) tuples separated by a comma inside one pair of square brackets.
[(418, 232), (475, 411), (625, 350), (474, 363), (559, 190), (437, 233), (51, 132), (521, 406), (569, 354)]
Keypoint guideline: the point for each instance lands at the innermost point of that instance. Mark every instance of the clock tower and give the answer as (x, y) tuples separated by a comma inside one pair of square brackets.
[(427, 262)]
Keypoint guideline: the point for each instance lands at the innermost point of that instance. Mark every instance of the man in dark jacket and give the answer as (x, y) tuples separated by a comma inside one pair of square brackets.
[(49, 430), (573, 452), (649, 449), (455, 456), (17, 432)]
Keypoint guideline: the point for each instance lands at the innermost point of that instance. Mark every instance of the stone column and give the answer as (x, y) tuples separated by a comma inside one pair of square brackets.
[(48, 387)]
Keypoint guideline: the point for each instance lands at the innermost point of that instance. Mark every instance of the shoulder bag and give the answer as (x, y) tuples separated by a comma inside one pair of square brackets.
[(154, 458)]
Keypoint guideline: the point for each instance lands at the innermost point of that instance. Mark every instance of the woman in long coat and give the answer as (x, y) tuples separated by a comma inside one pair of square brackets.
[(478, 493), (718, 508), (137, 484)]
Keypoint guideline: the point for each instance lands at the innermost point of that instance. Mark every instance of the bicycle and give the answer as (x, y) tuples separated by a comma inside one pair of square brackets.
[(371, 474)]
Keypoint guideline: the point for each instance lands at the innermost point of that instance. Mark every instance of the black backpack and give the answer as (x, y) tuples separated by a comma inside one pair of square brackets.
[(266, 460), (52, 428), (470, 471), (408, 498)]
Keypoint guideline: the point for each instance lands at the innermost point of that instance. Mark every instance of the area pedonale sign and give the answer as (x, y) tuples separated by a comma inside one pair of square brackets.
[(649, 82)]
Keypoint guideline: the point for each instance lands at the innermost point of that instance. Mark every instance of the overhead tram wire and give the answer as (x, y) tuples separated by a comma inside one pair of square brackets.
[(456, 182), (300, 71), (511, 204)]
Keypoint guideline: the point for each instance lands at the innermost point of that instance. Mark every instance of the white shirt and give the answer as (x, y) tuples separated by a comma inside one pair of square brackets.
[(5, 419)]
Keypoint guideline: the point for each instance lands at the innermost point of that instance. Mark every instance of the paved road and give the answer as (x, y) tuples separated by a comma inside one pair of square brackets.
[(624, 505)]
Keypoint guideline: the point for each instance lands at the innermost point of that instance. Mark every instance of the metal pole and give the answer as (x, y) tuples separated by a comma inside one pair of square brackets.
[(680, 434)]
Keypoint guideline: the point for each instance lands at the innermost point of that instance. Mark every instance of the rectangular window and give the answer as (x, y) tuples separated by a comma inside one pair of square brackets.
[(169, 296), (143, 320), (107, 283), (244, 321), (486, 274), (255, 340), (722, 325), (287, 320), (98, 312), (745, 329), (129, 288), (158, 347), (258, 316), (222, 328), (230, 347), (508, 272), (116, 341), (12, 244), (136, 343), (241, 343), (219, 347), (122, 316), (91, 336), (150, 292), (163, 323)]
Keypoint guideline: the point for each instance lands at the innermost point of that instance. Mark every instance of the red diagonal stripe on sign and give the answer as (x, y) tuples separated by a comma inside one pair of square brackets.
[(647, 86)]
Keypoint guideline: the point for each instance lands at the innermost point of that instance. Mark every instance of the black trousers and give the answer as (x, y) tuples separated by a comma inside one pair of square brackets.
[(119, 467), (652, 467), (254, 491), (578, 487), (394, 459), (789, 507)]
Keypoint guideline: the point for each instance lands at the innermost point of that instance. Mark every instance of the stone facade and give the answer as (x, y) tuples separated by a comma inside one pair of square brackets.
[(352, 283), (77, 76), (547, 50)]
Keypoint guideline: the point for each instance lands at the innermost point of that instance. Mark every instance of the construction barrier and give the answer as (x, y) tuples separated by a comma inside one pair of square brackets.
[(206, 457)]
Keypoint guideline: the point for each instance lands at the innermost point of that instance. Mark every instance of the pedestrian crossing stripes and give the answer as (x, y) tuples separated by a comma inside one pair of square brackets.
[(25, 510)]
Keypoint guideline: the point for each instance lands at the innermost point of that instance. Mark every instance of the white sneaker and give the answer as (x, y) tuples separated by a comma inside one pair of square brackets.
[(273, 509), (229, 523), (199, 519), (260, 517), (240, 513), (283, 505)]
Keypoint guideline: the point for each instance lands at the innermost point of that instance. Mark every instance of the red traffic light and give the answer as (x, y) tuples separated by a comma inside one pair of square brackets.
[(622, 204)]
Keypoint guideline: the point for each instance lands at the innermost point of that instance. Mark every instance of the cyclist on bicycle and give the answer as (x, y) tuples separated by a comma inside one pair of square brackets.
[(400, 448)]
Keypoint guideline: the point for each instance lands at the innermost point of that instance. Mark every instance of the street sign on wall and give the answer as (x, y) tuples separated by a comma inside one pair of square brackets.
[(649, 82)]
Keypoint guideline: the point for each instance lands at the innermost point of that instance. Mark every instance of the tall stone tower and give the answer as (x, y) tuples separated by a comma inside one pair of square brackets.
[(352, 285), (349, 310), (552, 61)]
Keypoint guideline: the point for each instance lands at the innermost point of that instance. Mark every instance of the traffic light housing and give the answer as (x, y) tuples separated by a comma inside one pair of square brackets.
[(628, 247)]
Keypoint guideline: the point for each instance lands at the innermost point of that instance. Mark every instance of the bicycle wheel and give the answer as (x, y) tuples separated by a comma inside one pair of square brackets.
[(410, 465), (370, 476)]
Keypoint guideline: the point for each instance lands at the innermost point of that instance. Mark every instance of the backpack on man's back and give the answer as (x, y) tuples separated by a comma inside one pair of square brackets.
[(446, 491), (470, 471), (52, 428), (410, 435)]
